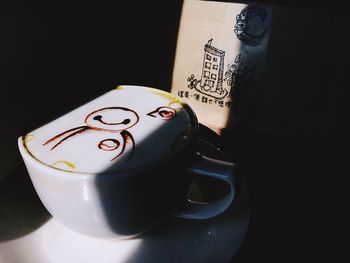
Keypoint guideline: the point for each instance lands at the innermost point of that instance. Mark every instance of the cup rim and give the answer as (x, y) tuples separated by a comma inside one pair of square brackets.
[(24, 150)]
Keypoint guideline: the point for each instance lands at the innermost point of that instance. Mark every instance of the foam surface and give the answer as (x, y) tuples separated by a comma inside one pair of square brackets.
[(127, 128)]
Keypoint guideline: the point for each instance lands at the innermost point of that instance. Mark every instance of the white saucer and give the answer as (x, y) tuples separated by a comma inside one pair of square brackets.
[(28, 234)]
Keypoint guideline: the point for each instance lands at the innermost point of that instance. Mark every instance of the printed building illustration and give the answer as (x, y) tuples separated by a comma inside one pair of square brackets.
[(212, 71)]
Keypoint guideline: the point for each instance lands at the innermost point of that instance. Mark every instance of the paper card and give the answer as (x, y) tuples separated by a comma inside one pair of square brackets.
[(220, 49)]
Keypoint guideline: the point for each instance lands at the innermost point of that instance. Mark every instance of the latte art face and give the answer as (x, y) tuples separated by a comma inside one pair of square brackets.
[(112, 118), (125, 129)]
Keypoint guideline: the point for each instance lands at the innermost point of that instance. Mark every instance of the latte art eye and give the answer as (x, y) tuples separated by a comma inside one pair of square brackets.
[(165, 113), (97, 118)]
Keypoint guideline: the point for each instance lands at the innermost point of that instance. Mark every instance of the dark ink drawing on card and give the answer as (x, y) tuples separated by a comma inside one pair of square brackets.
[(212, 87), (251, 25), (211, 81), (219, 78)]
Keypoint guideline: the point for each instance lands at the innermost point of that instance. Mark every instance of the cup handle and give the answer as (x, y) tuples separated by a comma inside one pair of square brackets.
[(222, 170)]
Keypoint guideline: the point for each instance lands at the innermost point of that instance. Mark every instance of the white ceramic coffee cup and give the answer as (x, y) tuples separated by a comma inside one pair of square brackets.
[(118, 165)]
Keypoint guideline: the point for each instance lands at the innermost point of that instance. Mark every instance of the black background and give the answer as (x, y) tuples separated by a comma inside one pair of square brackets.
[(290, 143)]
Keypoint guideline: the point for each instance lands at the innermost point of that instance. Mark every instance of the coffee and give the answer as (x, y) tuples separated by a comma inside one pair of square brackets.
[(118, 165), (128, 128)]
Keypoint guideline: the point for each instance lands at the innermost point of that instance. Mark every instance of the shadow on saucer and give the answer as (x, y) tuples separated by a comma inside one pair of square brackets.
[(180, 240), (21, 211)]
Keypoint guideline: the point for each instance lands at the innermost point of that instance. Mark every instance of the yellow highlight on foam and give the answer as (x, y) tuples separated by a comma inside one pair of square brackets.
[(28, 138), (119, 88), (69, 164), (170, 97)]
